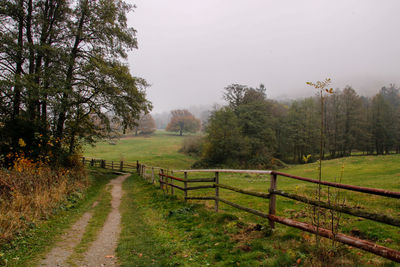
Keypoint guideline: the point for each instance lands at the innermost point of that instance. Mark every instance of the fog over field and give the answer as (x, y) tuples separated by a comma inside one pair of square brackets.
[(190, 50)]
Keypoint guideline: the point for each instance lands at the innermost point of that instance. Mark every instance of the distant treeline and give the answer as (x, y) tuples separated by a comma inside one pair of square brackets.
[(253, 131)]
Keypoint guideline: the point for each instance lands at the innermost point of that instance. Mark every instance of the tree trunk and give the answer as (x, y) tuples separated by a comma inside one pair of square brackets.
[(70, 73), (19, 61), (33, 94)]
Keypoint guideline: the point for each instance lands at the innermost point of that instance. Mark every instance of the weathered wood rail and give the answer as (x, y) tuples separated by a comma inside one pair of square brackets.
[(167, 177)]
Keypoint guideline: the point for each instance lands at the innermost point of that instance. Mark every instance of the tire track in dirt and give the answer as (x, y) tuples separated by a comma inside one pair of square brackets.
[(64, 248), (102, 250)]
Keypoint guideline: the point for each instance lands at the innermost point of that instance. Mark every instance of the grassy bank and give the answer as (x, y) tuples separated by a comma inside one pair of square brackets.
[(28, 246), (161, 230), (369, 171)]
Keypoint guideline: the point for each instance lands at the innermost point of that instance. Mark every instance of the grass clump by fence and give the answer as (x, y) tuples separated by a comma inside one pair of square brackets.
[(31, 191)]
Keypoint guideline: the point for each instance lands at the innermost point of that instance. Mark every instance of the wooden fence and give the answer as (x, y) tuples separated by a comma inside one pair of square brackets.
[(167, 180)]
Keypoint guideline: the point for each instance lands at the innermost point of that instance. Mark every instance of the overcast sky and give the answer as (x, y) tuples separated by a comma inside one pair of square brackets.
[(189, 50)]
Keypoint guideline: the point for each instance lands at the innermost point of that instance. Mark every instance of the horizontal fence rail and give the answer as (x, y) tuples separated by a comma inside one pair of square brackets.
[(345, 239), (367, 190), (342, 208), (167, 177), (243, 191)]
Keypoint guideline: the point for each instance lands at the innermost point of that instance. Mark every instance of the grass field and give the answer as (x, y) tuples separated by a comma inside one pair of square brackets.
[(369, 171), (160, 149)]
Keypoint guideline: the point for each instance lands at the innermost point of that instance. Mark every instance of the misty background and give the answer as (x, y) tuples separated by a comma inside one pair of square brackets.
[(190, 50)]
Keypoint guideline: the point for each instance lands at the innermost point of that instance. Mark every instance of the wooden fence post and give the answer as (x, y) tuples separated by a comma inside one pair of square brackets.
[(112, 165), (161, 179), (166, 180), (144, 172), (83, 161), (137, 166), (172, 182), (103, 164), (185, 185), (272, 199), (152, 175), (121, 166), (216, 191), (92, 162)]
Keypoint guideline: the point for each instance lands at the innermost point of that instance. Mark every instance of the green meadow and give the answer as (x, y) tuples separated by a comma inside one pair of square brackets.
[(161, 150)]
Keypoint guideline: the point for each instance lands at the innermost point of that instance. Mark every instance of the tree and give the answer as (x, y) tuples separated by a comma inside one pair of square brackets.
[(302, 128), (383, 126), (234, 94), (241, 134), (146, 125), (224, 142), (62, 73), (183, 121)]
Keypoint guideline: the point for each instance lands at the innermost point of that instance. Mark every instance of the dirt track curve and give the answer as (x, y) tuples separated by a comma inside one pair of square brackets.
[(102, 250)]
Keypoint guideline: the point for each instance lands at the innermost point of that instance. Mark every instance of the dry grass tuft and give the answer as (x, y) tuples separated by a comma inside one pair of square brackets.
[(31, 191)]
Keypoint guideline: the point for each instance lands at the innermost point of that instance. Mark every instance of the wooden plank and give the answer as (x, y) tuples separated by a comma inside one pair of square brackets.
[(374, 191), (227, 171), (342, 208), (249, 210), (185, 185), (173, 185), (200, 187), (200, 198), (200, 180), (216, 191), (195, 180), (160, 179), (382, 251), (172, 177), (272, 199), (243, 191)]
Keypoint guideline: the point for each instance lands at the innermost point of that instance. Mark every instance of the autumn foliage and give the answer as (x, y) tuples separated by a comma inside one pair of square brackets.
[(183, 121), (146, 125), (31, 191)]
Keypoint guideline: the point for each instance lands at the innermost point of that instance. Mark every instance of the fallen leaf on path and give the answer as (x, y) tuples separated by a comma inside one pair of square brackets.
[(109, 256)]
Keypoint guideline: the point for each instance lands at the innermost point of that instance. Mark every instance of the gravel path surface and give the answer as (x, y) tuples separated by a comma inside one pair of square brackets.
[(102, 250), (63, 249)]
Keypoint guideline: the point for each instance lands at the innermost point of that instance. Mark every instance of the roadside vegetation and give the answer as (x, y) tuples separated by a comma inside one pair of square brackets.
[(31, 191), (35, 236)]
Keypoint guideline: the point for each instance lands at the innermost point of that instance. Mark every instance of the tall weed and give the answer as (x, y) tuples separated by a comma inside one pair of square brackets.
[(31, 191)]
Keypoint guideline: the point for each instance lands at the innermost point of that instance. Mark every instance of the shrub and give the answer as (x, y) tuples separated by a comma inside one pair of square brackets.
[(192, 145)]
